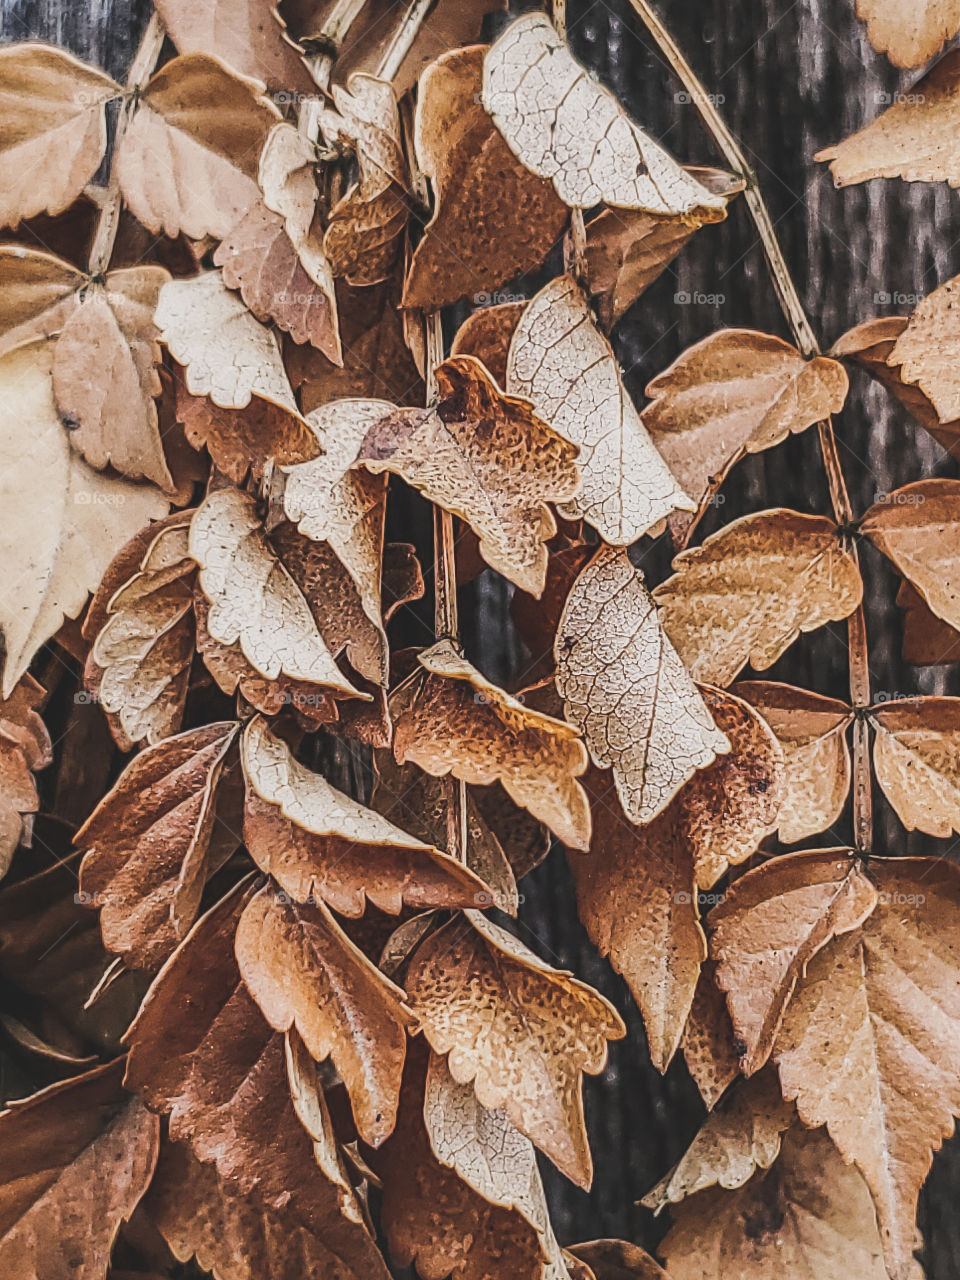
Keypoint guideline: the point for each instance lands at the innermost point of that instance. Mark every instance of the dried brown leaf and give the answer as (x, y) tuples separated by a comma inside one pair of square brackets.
[(927, 639), (909, 36), (37, 294), (486, 336), (25, 746), (617, 1260), (707, 1041), (917, 527), (916, 759), (927, 348), (246, 34), (240, 441)]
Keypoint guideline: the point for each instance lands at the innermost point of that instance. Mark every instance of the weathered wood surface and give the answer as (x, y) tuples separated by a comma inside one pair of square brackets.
[(793, 75)]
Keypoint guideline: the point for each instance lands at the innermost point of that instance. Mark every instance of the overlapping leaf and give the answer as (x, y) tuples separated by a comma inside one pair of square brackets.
[(918, 528), (916, 758), (25, 747)]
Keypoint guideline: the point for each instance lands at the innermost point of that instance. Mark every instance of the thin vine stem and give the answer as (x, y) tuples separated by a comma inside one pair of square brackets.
[(806, 340)]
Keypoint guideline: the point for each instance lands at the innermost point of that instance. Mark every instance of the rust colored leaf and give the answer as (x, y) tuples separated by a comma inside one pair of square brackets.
[(768, 577), (303, 971), (564, 365), (25, 747), (617, 1260), (917, 528), (486, 336), (170, 820), (708, 1042), (493, 219), (240, 441), (811, 730), (462, 724), (54, 129), (626, 690), (909, 37), (768, 928), (77, 1157), (927, 639), (637, 888), (246, 34), (916, 758), (522, 1032)]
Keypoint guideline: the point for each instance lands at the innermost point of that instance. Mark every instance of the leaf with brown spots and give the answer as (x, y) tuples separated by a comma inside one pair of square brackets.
[(242, 441), (918, 528), (708, 1045), (916, 759), (486, 335), (25, 747), (909, 37)]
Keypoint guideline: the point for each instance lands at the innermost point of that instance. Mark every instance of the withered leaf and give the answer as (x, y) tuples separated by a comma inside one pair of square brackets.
[(25, 746), (736, 392), (770, 925), (637, 888), (564, 365), (616, 1260), (916, 759), (211, 124), (809, 1215), (37, 293), (462, 724), (811, 729), (170, 820), (246, 34), (303, 971), (741, 1136), (241, 441), (54, 129), (768, 577), (317, 842), (914, 139), (486, 336), (486, 457), (909, 36), (522, 1032), (917, 528), (77, 1157), (870, 1041), (63, 521), (707, 1041), (493, 218), (626, 690), (927, 639), (565, 126), (926, 349)]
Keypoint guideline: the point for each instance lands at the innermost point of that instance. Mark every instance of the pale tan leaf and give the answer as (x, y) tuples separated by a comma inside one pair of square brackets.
[(870, 1043), (564, 365), (493, 218), (909, 35), (564, 126), (918, 528), (317, 842), (25, 746), (63, 521), (460, 723), (808, 1216), (626, 690), (914, 139), (228, 355), (303, 971), (246, 34), (637, 888), (188, 160), (37, 294), (812, 731), (741, 1136), (768, 578), (926, 350), (54, 129), (770, 925), (736, 392), (916, 759), (521, 1031), (253, 599), (486, 457)]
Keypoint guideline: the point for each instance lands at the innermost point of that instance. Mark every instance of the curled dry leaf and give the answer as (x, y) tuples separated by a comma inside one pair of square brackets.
[(25, 746), (54, 129), (916, 759), (77, 1157), (521, 1031), (212, 124), (241, 441), (616, 1260), (171, 819), (493, 218), (228, 355), (733, 393), (486, 336), (564, 126), (741, 1136), (927, 639), (303, 971), (564, 365), (770, 925), (909, 36), (63, 521), (708, 1042), (918, 528), (811, 729), (462, 724), (808, 1215), (768, 577), (870, 1042), (626, 690), (317, 842), (637, 888), (253, 599), (246, 34), (914, 139)]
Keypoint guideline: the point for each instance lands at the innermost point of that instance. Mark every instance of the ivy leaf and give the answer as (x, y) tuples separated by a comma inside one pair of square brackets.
[(707, 1042), (241, 442), (247, 34), (486, 334), (916, 759), (25, 747), (915, 527), (909, 37)]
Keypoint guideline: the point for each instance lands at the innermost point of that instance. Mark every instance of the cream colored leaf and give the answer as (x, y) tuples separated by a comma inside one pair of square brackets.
[(63, 522), (624, 687), (247, 34), (54, 129), (187, 163), (767, 577), (564, 126), (564, 365), (462, 724), (916, 758), (37, 294), (918, 528), (253, 599), (909, 34), (228, 355)]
